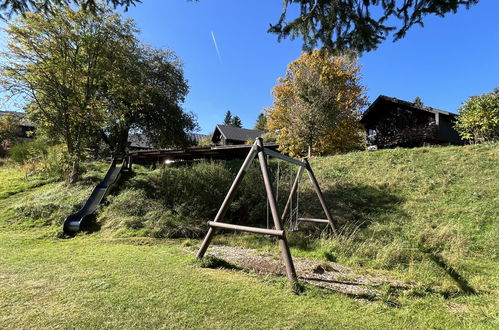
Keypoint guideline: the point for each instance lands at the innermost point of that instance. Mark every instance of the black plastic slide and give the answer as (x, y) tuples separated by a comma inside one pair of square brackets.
[(73, 223)]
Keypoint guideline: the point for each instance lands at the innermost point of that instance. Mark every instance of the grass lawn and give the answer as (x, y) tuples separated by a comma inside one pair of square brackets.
[(91, 281), (444, 198)]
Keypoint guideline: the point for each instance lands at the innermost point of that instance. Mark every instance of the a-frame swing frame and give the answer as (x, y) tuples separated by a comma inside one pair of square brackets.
[(278, 231)]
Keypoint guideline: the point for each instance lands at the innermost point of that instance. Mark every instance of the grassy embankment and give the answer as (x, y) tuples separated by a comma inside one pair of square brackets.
[(418, 215)]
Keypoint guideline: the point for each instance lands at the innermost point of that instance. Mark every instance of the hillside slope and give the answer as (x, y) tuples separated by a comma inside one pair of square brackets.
[(428, 217)]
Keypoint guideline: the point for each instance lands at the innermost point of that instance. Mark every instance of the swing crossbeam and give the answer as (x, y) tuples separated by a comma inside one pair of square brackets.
[(313, 220), (275, 154), (255, 230)]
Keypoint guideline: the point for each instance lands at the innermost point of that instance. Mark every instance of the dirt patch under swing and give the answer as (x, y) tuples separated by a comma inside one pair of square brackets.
[(328, 275)]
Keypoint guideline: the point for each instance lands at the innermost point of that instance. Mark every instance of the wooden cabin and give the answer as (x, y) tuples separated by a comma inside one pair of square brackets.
[(230, 135), (390, 122)]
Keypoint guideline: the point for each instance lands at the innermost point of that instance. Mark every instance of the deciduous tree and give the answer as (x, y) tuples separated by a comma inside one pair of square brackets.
[(10, 7), (86, 76), (317, 104)]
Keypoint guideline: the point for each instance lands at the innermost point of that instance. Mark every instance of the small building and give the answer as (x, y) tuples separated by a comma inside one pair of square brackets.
[(230, 135), (140, 141), (26, 129), (390, 122)]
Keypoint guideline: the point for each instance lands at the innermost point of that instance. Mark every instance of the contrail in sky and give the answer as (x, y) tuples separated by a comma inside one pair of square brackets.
[(216, 47)]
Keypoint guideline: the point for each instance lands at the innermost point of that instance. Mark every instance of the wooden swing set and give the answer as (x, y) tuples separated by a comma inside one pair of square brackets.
[(278, 230)]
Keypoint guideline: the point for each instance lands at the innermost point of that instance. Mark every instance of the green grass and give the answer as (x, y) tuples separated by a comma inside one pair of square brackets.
[(427, 216), (13, 181), (92, 282)]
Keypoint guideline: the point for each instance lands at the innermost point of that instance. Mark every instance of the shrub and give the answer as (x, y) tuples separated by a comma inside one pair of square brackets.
[(39, 158), (22, 153), (479, 118)]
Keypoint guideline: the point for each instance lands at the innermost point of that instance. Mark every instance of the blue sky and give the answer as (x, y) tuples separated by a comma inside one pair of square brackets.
[(444, 63)]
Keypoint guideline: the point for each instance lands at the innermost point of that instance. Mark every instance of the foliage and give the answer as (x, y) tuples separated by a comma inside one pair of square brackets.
[(21, 152), (230, 120), (404, 128), (478, 119), (39, 158), (87, 78), (418, 102), (261, 122), (9, 126), (338, 25), (415, 213), (205, 141), (317, 104), (12, 7), (236, 122)]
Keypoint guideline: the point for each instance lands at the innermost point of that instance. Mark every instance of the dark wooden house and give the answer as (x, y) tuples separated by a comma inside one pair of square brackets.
[(390, 122), (229, 135), (26, 129)]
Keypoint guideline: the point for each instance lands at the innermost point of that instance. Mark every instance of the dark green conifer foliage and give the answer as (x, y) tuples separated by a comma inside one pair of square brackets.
[(236, 122), (228, 118), (338, 25), (261, 122), (418, 102)]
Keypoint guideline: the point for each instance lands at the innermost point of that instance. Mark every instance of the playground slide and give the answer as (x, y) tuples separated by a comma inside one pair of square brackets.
[(73, 222)]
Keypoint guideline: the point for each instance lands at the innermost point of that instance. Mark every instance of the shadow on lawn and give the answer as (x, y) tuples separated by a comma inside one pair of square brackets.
[(354, 206)]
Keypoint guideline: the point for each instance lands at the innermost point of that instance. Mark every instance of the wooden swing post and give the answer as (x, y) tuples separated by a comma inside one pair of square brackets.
[(318, 191), (283, 243), (228, 199)]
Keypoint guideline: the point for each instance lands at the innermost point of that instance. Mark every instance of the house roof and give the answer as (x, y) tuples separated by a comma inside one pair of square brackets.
[(384, 98), (239, 151), (20, 115), (237, 134), (140, 141), (195, 137)]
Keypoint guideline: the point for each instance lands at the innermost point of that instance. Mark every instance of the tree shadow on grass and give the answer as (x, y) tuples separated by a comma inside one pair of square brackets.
[(355, 206)]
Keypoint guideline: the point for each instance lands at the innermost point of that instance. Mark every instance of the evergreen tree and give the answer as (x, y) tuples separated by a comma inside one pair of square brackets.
[(418, 102), (236, 122), (261, 122), (228, 118), (338, 25)]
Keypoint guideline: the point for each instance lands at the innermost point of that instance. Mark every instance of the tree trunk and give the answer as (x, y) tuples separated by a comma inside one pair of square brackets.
[(74, 173), (121, 143)]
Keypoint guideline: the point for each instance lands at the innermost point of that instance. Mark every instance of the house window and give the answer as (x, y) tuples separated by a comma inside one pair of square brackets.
[(371, 132)]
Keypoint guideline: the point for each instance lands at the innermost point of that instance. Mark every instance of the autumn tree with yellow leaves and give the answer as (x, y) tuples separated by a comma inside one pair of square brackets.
[(317, 105)]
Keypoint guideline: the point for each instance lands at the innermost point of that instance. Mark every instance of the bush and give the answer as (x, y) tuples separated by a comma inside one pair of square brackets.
[(479, 118), (39, 158), (22, 153)]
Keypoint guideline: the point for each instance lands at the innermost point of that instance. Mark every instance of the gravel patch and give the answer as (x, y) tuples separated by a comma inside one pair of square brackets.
[(327, 275)]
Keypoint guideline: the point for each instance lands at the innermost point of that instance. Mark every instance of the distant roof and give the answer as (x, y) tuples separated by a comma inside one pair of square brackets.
[(198, 152), (385, 98), (22, 115), (195, 137), (139, 141), (236, 133)]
